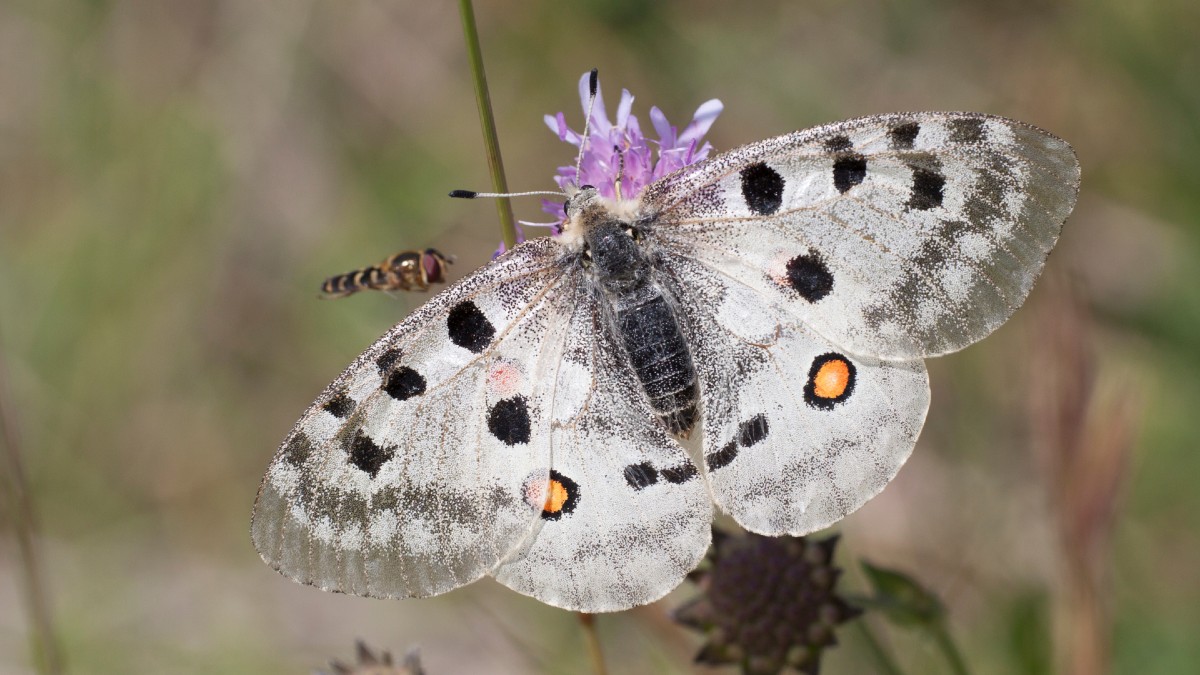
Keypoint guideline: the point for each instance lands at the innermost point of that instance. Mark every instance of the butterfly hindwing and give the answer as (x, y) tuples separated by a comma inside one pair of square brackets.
[(406, 476), (798, 433), (633, 516), (896, 236)]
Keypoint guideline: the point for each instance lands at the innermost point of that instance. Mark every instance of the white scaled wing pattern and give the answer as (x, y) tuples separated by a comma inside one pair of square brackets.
[(896, 236), (406, 477), (748, 332)]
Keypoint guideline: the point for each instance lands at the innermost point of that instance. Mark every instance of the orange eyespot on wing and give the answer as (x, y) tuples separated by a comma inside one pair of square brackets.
[(830, 381), (556, 496)]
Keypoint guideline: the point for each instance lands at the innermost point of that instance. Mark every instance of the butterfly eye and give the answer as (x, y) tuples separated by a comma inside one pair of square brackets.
[(587, 254)]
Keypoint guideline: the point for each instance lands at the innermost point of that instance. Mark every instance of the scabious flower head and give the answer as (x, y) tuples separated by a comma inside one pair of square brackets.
[(608, 144), (767, 603)]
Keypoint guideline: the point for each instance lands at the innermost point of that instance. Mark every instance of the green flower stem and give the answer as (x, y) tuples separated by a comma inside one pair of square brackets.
[(883, 660), (954, 657), (491, 142)]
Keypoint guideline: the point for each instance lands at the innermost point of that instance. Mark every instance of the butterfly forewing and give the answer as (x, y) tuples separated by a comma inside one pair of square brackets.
[(408, 476), (897, 236)]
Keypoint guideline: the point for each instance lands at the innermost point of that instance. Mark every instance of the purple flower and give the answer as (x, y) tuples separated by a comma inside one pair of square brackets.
[(646, 160), (608, 142)]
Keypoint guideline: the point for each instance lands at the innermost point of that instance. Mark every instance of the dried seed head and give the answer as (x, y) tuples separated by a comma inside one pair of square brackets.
[(767, 603)]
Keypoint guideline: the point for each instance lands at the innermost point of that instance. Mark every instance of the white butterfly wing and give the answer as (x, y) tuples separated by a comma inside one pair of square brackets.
[(895, 236), (797, 432), (640, 514), (500, 429), (407, 476), (494, 431)]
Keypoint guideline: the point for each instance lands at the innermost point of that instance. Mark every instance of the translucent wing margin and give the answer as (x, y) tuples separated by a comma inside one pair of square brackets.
[(895, 236)]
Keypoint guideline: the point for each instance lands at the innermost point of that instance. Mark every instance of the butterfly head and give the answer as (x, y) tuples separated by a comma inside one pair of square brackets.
[(600, 232), (586, 208)]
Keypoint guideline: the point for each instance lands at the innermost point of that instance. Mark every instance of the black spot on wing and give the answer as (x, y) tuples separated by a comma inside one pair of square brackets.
[(680, 474), (368, 455), (508, 420), (966, 130), (750, 432), (298, 449), (340, 405), (387, 360), (640, 475), (904, 136), (469, 328), (722, 457), (927, 190), (849, 170), (753, 430), (762, 188), (404, 383), (809, 276), (840, 143)]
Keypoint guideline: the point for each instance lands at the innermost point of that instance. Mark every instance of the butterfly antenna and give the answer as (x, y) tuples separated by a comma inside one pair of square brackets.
[(593, 87), (620, 170), (471, 194)]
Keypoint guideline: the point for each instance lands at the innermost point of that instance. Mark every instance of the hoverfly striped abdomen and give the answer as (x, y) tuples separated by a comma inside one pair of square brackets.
[(403, 271)]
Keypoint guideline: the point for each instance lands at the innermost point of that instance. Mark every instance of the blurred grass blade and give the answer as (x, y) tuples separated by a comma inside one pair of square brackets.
[(47, 657), (508, 229), (905, 602)]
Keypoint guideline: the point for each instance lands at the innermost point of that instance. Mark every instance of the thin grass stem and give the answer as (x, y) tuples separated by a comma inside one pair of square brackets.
[(883, 660), (47, 654), (491, 141), (592, 638), (949, 650)]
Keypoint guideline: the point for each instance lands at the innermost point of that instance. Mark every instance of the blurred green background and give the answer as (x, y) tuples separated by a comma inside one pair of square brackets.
[(178, 176)]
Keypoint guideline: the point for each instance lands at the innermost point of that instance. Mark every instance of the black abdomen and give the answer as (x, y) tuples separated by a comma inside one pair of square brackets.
[(659, 355)]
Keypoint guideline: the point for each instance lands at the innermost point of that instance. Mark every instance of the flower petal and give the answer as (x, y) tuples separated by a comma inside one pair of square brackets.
[(666, 133), (702, 121), (624, 107)]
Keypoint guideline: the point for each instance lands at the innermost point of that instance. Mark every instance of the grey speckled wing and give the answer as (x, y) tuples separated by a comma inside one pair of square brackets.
[(748, 332), (895, 236), (407, 477), (491, 432)]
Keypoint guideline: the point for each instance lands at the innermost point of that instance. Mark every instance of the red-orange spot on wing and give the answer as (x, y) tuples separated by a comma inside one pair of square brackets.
[(831, 379), (552, 495), (556, 496), (504, 379)]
